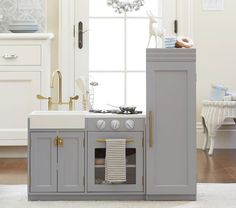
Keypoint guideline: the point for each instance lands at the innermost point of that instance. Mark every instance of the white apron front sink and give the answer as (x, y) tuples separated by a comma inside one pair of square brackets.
[(57, 120)]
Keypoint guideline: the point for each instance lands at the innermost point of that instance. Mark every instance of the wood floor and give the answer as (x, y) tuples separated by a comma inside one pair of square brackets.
[(219, 168), (13, 171)]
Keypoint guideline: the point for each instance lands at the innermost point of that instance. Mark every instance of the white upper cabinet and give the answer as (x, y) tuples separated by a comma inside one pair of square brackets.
[(25, 70)]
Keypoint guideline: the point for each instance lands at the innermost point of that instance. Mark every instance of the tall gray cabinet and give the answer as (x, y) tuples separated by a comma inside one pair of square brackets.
[(171, 124)]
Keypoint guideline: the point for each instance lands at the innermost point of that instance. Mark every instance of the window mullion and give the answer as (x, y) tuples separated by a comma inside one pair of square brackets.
[(125, 59)]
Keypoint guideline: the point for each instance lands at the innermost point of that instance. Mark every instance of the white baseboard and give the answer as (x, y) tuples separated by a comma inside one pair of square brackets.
[(225, 137), (13, 152)]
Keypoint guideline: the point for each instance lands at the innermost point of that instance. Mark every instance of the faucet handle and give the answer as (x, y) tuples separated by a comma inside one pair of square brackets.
[(40, 97), (71, 101), (75, 97)]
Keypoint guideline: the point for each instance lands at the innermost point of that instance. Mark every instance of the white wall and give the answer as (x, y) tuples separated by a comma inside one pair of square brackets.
[(214, 35)]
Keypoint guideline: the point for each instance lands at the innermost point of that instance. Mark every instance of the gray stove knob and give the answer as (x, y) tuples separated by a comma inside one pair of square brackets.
[(101, 124), (115, 124), (129, 124)]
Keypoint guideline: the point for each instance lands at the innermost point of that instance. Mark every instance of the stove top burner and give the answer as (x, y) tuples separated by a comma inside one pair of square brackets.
[(115, 112)]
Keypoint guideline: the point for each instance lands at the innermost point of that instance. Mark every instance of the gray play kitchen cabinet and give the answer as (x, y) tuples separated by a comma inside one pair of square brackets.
[(171, 124), (57, 161), (67, 156), (67, 149)]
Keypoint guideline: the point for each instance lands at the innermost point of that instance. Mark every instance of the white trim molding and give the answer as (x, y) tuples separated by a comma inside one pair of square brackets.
[(26, 36), (185, 8), (13, 152), (19, 136), (66, 46)]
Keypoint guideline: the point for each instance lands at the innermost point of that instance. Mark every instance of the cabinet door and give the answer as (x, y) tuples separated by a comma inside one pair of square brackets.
[(43, 160), (171, 100), (18, 92), (71, 162)]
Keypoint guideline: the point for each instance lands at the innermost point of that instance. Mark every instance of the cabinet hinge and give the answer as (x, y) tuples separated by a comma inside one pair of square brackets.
[(73, 30), (143, 180), (84, 142), (83, 180), (143, 142)]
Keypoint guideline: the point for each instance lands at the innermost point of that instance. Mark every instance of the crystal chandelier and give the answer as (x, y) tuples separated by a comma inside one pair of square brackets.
[(125, 5)]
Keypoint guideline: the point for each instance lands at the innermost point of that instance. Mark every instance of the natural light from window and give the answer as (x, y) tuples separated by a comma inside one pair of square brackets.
[(117, 53)]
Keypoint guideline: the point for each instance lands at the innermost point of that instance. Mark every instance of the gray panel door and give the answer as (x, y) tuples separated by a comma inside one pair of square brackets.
[(43, 162), (134, 160), (71, 162), (171, 99)]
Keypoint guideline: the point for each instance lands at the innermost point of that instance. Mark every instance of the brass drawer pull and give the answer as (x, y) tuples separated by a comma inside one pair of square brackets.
[(150, 129)]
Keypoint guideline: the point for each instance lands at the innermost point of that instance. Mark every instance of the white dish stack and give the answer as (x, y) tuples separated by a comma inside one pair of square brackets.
[(23, 26)]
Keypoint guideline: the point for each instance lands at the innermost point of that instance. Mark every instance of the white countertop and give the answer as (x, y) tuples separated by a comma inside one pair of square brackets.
[(86, 114), (69, 119), (26, 36)]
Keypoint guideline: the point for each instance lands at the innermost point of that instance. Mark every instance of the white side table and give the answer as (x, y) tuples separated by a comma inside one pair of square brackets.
[(213, 115)]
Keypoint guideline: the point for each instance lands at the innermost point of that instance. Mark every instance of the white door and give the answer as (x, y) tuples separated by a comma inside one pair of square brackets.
[(113, 52)]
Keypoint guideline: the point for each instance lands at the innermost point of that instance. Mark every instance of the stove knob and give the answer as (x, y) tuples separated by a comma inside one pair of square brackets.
[(101, 124), (129, 124), (115, 124)]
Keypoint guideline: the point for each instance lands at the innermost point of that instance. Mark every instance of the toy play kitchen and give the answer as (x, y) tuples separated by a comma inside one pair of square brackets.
[(110, 155)]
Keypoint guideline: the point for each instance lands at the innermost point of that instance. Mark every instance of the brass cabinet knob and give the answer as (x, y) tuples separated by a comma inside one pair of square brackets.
[(60, 142)]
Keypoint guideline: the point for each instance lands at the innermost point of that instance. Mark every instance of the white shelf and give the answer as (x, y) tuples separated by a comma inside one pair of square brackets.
[(26, 36)]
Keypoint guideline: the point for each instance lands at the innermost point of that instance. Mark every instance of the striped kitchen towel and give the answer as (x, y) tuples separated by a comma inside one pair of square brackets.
[(115, 162)]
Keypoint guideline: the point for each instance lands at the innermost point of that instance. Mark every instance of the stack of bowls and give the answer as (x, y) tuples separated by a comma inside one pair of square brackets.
[(23, 26)]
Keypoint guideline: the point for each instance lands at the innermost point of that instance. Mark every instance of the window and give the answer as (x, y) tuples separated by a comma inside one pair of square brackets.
[(117, 53)]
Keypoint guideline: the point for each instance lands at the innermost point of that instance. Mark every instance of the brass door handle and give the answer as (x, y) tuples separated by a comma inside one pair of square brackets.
[(150, 128)]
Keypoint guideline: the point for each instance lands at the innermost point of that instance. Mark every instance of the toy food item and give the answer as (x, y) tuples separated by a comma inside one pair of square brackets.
[(184, 42)]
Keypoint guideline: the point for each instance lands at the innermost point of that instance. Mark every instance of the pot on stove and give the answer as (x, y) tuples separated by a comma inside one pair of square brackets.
[(125, 108)]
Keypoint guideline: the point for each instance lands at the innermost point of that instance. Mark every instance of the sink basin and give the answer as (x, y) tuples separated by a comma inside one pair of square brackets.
[(57, 119)]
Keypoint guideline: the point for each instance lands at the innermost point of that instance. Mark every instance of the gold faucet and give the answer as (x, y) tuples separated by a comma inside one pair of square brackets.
[(59, 100)]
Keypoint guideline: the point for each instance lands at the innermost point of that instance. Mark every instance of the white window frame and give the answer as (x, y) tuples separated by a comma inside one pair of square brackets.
[(125, 71), (67, 39)]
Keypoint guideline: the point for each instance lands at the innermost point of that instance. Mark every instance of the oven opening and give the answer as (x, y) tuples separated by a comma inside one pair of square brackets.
[(100, 155)]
